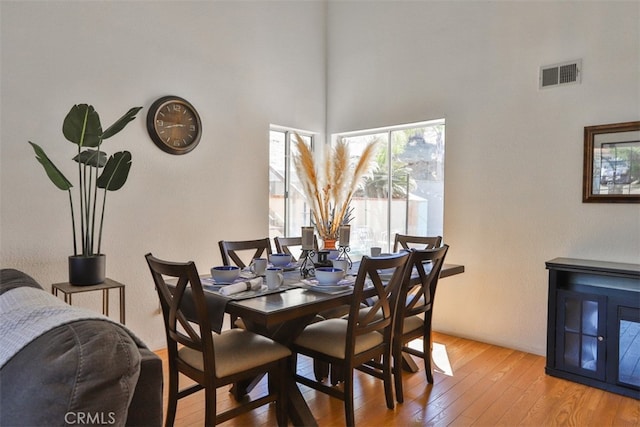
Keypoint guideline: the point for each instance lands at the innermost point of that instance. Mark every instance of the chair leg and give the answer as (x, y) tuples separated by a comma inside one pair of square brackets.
[(427, 350), (210, 406), (388, 381), (173, 397), (320, 370), (336, 374), (397, 370), (348, 397)]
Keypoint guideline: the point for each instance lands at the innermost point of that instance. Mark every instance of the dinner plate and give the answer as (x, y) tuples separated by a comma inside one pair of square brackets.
[(214, 286), (326, 289), (289, 267), (345, 281), (210, 283)]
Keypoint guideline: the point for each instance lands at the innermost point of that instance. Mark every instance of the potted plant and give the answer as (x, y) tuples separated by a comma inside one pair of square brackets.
[(82, 127), (330, 187)]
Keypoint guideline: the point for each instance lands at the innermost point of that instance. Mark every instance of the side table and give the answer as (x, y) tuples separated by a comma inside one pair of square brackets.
[(68, 290)]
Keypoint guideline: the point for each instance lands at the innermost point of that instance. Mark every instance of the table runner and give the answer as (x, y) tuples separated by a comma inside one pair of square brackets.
[(217, 303)]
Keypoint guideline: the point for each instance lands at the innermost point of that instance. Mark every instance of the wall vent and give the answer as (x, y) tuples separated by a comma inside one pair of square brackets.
[(561, 74)]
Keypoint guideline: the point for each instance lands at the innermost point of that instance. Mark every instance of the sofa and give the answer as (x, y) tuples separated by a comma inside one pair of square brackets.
[(81, 369)]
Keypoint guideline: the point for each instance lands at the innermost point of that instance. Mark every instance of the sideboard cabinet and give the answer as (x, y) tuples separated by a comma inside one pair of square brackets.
[(593, 325)]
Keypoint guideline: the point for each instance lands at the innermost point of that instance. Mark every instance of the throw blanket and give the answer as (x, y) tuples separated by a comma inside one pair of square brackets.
[(26, 313)]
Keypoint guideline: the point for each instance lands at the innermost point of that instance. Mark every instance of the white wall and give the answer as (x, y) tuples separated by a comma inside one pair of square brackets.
[(243, 65), (513, 166), (514, 154)]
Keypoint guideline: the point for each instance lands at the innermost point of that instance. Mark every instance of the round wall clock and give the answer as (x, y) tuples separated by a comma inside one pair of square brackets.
[(174, 125)]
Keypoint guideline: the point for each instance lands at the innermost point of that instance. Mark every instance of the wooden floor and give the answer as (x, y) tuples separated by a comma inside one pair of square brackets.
[(475, 384)]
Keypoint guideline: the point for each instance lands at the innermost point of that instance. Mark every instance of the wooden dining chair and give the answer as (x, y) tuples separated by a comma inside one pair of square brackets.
[(407, 242), (231, 251), (284, 245), (414, 311), (212, 360), (364, 335)]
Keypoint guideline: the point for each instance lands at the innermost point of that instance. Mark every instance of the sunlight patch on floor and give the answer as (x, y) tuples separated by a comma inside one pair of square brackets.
[(439, 357)]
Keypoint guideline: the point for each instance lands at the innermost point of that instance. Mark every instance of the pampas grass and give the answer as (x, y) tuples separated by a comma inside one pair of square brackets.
[(329, 189)]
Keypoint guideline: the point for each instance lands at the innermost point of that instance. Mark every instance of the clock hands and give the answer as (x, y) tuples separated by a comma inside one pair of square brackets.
[(176, 125)]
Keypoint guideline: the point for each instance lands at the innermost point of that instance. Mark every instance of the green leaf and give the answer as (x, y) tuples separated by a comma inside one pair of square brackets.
[(116, 171), (121, 123), (82, 126), (54, 174), (93, 158)]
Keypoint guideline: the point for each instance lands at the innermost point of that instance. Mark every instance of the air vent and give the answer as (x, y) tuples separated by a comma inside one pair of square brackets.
[(561, 74)]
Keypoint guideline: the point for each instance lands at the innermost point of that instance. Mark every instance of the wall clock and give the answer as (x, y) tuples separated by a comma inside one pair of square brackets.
[(174, 125)]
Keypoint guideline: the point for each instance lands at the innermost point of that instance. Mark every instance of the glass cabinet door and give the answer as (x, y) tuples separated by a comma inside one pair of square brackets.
[(580, 339), (629, 347)]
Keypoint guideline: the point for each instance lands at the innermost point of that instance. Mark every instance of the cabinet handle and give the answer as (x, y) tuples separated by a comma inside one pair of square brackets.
[(600, 338)]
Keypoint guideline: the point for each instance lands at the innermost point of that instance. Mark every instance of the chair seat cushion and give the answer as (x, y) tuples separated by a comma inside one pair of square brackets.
[(237, 350), (412, 323), (329, 337)]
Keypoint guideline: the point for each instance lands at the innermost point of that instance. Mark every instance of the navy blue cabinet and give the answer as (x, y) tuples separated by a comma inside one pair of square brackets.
[(593, 324)]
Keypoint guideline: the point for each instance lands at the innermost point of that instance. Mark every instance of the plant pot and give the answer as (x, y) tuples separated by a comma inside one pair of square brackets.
[(87, 270), (329, 244)]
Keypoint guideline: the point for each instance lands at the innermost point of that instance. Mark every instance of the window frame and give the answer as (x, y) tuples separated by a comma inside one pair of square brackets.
[(289, 134), (388, 130)]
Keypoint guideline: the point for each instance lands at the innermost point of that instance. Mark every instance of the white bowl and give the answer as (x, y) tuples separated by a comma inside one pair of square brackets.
[(225, 273), (279, 260), (329, 275)]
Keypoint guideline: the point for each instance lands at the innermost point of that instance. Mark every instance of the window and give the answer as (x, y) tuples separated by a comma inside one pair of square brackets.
[(404, 193), (288, 210)]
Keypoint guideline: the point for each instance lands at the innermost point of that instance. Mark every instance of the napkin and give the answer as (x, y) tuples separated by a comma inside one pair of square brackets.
[(247, 285)]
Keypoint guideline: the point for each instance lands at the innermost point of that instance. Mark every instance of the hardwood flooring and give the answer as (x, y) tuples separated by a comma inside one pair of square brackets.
[(476, 384)]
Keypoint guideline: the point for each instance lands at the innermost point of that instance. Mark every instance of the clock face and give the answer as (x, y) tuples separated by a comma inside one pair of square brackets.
[(174, 125)]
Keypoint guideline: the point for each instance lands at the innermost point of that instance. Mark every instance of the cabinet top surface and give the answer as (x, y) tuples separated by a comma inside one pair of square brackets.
[(594, 266)]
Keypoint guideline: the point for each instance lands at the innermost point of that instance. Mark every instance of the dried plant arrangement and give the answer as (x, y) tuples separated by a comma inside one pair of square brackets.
[(330, 186)]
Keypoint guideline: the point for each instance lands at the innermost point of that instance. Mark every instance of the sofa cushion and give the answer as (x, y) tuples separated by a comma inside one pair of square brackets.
[(86, 373)]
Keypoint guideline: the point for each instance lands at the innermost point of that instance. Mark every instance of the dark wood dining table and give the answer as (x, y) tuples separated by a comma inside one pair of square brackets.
[(282, 316)]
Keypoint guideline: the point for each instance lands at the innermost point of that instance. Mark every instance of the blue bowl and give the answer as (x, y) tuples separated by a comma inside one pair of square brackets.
[(225, 273), (329, 275), (279, 259)]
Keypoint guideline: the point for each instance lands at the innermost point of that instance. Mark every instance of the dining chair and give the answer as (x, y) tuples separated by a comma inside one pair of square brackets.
[(284, 245), (407, 242), (364, 335), (414, 310), (231, 250), (212, 360)]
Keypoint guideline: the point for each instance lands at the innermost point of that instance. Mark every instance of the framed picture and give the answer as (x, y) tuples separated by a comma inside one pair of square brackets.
[(611, 163)]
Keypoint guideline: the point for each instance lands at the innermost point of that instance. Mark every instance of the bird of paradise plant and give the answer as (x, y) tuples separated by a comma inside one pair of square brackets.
[(82, 127), (329, 187)]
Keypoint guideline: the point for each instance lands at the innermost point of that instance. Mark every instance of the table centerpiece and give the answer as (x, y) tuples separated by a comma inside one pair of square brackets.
[(329, 185)]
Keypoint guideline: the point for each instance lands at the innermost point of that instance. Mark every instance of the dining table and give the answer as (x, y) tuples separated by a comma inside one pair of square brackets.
[(282, 314)]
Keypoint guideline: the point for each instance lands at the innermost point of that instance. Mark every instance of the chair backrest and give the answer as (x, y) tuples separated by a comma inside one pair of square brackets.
[(229, 250), (172, 301), (384, 275), (403, 241), (416, 297), (284, 245)]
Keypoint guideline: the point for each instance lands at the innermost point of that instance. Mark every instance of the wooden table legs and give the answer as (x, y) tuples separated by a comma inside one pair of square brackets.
[(285, 333)]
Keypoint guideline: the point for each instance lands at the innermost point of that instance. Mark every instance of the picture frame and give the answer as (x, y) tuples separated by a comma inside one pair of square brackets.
[(611, 171)]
